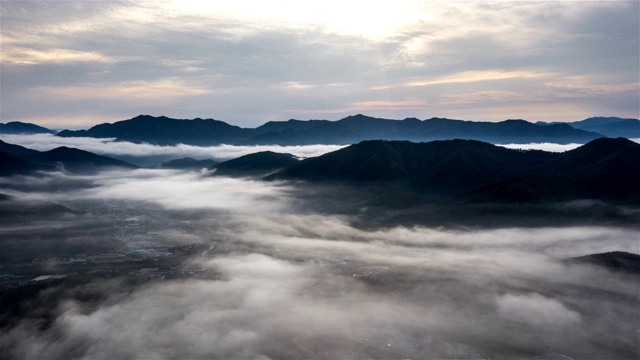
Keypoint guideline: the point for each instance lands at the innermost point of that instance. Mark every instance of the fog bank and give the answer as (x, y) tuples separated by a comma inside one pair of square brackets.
[(282, 280)]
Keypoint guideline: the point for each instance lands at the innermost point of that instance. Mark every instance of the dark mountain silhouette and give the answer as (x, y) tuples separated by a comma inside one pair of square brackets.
[(610, 126), (17, 127), (187, 163), (16, 150), (618, 261), (476, 171), (260, 163), (165, 131), (448, 166), (279, 126), (607, 126), (356, 128), (76, 160), (352, 129), (603, 169), (17, 159), (12, 165)]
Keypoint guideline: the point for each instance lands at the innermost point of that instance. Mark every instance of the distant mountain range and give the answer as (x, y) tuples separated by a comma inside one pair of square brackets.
[(607, 126), (16, 159), (605, 168), (17, 127), (353, 129), (440, 182), (465, 170), (165, 131)]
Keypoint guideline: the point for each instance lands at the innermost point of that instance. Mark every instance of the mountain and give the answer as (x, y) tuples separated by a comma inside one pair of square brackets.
[(260, 163), (187, 163), (16, 150), (603, 169), (618, 261), (76, 160), (610, 126), (17, 159), (12, 165), (476, 171), (165, 131), (17, 127), (448, 166), (352, 129)]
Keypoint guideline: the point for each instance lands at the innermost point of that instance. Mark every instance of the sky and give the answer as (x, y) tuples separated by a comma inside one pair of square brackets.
[(76, 64)]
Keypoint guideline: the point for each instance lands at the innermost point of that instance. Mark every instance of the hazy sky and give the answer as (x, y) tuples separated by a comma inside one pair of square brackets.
[(75, 64)]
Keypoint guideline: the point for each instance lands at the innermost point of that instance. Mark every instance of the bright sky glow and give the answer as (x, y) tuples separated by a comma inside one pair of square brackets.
[(75, 64)]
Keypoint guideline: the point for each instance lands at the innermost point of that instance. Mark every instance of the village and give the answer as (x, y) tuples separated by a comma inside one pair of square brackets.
[(148, 254)]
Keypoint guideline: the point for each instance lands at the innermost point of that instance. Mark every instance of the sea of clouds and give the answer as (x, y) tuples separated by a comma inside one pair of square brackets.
[(110, 147), (290, 282)]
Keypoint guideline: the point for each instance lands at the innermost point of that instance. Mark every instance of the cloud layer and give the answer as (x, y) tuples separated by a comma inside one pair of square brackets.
[(148, 154), (294, 282), (109, 147)]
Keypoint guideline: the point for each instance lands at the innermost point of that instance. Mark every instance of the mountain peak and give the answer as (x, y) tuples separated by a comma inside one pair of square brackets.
[(18, 127), (260, 163), (358, 117), (349, 130)]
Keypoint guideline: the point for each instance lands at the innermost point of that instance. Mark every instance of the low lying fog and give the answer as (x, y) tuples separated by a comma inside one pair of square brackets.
[(109, 147), (293, 281)]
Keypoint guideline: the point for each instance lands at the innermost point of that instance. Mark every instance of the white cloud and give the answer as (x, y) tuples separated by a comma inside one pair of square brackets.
[(291, 282), (537, 310), (250, 62), (106, 146), (552, 147)]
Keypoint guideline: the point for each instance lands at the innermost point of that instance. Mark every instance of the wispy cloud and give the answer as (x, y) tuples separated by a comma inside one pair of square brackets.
[(468, 77), (106, 146), (252, 62), (292, 283)]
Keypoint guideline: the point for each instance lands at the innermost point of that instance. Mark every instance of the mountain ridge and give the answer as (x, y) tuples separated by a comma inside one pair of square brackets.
[(17, 159), (470, 170), (608, 126), (255, 164), (351, 129), (20, 128)]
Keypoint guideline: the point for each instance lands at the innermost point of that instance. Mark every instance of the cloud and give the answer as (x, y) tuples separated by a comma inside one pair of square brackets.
[(551, 147), (537, 310), (45, 142), (257, 62), (260, 306), (285, 280), (149, 92)]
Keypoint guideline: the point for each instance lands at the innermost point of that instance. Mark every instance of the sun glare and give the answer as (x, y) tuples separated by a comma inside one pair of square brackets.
[(375, 20)]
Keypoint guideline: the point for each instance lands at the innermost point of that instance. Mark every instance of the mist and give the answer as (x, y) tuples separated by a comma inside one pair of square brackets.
[(279, 277), (149, 154)]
